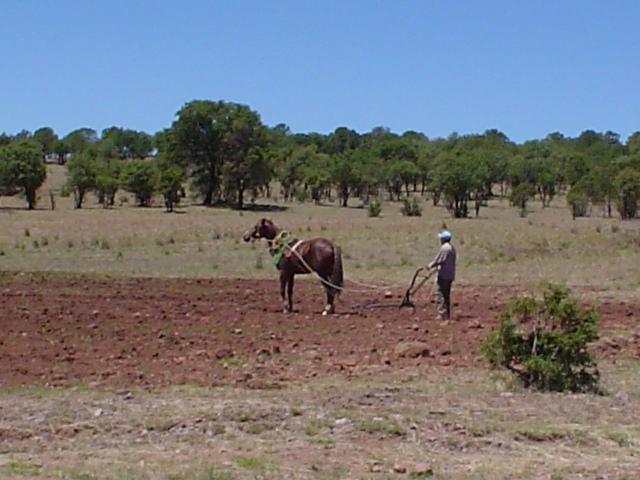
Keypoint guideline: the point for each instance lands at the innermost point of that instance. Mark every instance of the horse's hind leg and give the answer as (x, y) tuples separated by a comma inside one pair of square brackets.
[(330, 297)]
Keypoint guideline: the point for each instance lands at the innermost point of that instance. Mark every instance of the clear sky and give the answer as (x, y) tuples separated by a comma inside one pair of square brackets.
[(525, 67)]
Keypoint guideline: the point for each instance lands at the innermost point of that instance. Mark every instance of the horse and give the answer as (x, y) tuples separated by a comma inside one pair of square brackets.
[(319, 254)]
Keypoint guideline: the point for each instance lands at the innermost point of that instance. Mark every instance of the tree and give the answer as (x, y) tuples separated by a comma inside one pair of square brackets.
[(128, 143), (107, 180), (345, 173), (633, 143), (47, 139), (81, 175), (170, 178), (578, 200), (62, 151), (80, 139), (400, 173), (627, 184), (198, 135), (315, 174), (140, 177), (341, 140), (453, 176), (520, 195), (290, 162), (22, 167), (246, 163)]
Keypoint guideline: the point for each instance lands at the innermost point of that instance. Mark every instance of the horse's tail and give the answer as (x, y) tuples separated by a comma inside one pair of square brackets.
[(337, 277)]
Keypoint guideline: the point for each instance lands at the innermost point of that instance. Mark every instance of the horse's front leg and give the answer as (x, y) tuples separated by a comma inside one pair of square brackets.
[(290, 291), (283, 284)]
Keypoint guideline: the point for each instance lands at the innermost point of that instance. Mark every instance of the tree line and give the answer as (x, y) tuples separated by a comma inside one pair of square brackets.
[(225, 154)]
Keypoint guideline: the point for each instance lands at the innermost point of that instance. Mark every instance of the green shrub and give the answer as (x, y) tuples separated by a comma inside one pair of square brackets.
[(374, 207), (411, 208), (544, 342)]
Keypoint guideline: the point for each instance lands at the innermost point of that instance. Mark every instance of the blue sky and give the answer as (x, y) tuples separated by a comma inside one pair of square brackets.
[(525, 67)]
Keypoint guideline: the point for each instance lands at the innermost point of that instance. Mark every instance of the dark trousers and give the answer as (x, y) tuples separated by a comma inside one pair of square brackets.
[(443, 298)]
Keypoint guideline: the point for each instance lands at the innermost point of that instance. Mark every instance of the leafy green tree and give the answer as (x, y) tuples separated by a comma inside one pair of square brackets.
[(578, 200), (107, 180), (22, 167), (520, 195), (627, 184), (633, 143), (81, 175), (198, 136), (546, 179), (316, 176), (140, 177), (80, 139), (47, 139), (62, 151), (345, 173), (340, 141), (128, 143), (170, 178), (454, 178), (291, 161), (246, 164), (370, 173)]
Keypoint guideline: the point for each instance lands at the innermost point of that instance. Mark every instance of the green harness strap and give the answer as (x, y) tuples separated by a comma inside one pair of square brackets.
[(279, 245)]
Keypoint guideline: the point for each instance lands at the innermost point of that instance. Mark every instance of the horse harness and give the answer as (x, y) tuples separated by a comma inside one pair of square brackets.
[(281, 243)]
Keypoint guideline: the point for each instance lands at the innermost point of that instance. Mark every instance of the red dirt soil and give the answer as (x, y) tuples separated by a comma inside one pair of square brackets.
[(60, 330)]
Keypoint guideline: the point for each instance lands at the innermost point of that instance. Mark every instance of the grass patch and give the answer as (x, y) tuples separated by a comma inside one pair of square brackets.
[(19, 469), (211, 472), (622, 439), (256, 428), (256, 465), (382, 426), (314, 427), (230, 361)]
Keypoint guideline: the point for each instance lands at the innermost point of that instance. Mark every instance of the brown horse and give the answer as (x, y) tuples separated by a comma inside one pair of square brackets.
[(319, 255)]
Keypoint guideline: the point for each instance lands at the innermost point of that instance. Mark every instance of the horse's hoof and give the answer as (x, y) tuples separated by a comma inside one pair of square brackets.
[(325, 313)]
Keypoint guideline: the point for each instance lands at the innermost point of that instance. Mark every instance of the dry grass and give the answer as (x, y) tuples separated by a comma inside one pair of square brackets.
[(466, 426), (498, 248)]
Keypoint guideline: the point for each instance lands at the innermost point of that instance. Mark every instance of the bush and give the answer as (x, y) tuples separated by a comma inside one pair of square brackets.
[(411, 208), (374, 207), (544, 342), (140, 178)]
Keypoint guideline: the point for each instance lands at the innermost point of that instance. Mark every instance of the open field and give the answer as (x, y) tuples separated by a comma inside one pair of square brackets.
[(140, 344), (205, 379), (499, 248), (461, 424)]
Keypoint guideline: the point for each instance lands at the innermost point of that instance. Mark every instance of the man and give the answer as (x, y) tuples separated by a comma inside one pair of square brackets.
[(445, 262)]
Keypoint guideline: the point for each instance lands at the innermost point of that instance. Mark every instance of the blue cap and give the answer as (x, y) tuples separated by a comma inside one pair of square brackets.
[(444, 235)]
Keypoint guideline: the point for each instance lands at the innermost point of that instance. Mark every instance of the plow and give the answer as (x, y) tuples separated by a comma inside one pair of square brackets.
[(406, 301)]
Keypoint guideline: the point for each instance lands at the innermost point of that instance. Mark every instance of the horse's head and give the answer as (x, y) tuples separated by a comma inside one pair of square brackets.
[(263, 229)]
